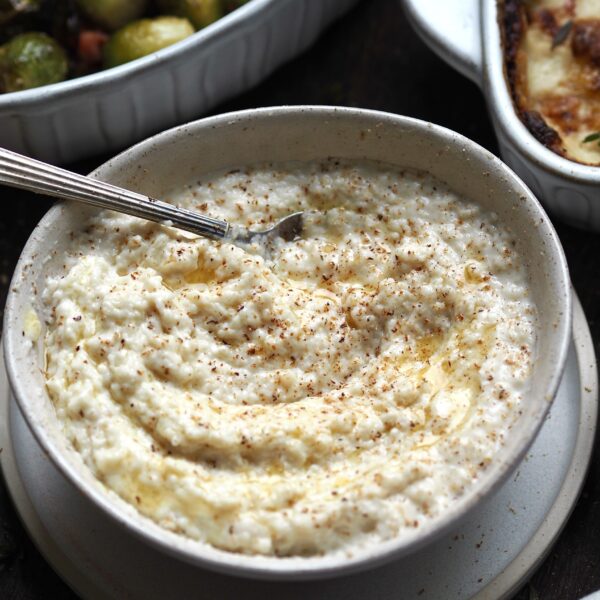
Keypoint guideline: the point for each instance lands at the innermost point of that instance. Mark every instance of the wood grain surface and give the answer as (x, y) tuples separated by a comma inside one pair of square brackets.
[(372, 59)]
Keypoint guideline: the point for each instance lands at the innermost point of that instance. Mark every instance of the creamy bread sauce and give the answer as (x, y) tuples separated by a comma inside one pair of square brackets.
[(342, 392)]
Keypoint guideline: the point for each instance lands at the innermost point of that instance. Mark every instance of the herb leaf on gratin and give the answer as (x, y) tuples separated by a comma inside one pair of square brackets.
[(562, 34), (592, 137)]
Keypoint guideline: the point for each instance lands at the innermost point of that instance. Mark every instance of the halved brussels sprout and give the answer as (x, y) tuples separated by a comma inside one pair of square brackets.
[(30, 60), (10, 9), (112, 14), (200, 12), (144, 37)]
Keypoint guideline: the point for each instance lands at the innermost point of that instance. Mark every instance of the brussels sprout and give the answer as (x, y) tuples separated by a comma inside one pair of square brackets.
[(112, 14), (19, 6), (200, 12), (143, 37), (30, 60), (9, 9)]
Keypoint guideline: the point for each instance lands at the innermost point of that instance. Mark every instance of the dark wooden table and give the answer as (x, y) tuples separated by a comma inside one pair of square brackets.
[(370, 59)]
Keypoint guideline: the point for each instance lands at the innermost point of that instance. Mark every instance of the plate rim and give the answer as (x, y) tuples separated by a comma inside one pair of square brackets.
[(502, 586), (539, 546)]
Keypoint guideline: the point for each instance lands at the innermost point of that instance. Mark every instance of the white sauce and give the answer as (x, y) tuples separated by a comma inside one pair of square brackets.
[(342, 394)]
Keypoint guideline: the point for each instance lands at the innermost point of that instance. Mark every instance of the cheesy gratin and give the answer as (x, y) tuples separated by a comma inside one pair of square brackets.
[(343, 391), (552, 57)]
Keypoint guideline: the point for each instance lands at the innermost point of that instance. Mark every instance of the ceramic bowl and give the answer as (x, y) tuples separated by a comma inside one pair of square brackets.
[(115, 108), (466, 34), (175, 157)]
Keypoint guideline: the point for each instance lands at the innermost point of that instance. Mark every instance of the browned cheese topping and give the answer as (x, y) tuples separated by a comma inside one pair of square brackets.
[(552, 58)]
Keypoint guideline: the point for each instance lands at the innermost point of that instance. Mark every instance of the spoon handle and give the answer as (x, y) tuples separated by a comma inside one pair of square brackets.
[(20, 171)]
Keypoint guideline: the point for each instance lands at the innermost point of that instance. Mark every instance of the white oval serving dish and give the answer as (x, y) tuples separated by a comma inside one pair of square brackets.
[(172, 158), (112, 109), (466, 34)]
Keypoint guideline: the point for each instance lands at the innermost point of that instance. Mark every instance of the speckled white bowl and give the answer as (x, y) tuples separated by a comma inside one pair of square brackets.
[(112, 109), (297, 133), (466, 34)]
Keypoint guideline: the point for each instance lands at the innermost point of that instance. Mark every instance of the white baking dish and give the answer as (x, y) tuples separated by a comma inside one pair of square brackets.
[(466, 34), (112, 109)]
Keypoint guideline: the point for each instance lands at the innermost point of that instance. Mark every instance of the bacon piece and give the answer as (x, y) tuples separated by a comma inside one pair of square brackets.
[(89, 46), (585, 41), (563, 111), (547, 21)]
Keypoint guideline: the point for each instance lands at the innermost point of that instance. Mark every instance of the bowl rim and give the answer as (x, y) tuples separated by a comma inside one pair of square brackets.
[(94, 82), (327, 565)]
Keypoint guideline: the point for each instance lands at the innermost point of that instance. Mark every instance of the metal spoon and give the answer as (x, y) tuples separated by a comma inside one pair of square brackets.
[(20, 171)]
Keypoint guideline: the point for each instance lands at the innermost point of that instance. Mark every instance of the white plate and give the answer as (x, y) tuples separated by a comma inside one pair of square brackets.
[(489, 557)]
